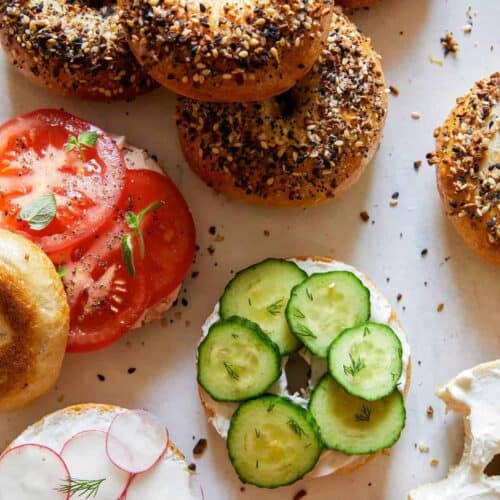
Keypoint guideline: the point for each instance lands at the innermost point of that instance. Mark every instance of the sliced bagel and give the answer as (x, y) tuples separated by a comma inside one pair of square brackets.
[(467, 160), (56, 429), (72, 48), (34, 322), (330, 462)]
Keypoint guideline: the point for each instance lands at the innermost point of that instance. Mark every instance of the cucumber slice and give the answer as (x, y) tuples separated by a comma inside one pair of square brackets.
[(272, 442), (325, 304), (366, 360), (355, 426), (260, 293), (237, 361)]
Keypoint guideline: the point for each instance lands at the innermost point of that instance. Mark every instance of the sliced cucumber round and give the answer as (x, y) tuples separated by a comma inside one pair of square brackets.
[(366, 360), (325, 304), (236, 361), (272, 442), (355, 426), (260, 293)]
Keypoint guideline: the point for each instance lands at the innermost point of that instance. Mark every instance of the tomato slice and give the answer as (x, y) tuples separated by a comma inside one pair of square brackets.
[(169, 231), (87, 182), (105, 301)]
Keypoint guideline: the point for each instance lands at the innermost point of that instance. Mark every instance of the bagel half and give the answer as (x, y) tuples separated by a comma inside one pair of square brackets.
[(34, 322), (330, 462), (220, 51), (300, 148), (467, 160), (72, 48)]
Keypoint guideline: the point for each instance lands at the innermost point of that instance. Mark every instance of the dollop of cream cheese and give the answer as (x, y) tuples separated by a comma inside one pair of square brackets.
[(381, 312), (59, 427), (475, 394)]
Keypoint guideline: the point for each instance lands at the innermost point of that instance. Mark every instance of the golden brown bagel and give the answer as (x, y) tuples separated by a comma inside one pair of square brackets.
[(355, 4), (467, 158), (34, 322), (303, 147), (323, 468), (226, 51), (72, 48)]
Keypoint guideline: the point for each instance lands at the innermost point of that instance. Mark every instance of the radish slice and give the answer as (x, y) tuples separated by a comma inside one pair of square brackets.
[(86, 458), (33, 472), (171, 477), (136, 440)]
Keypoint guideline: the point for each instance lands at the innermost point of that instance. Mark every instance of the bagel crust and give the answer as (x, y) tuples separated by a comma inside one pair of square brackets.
[(232, 51), (34, 322), (72, 48), (467, 160), (300, 148), (355, 4)]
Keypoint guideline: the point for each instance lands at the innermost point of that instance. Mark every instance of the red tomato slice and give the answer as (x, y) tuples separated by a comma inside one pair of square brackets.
[(87, 182), (105, 301), (169, 231)]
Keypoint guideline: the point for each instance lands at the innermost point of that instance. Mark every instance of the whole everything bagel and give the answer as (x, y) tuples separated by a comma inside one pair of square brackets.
[(73, 48), (330, 462), (300, 148), (217, 51), (34, 322), (467, 160)]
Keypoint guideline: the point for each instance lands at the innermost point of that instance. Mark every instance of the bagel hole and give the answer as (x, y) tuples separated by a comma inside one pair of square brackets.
[(493, 468), (298, 374), (287, 103)]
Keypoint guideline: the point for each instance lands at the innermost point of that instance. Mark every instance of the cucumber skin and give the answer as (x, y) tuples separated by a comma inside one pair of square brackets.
[(390, 444), (346, 389), (306, 414), (294, 291), (227, 289), (245, 323)]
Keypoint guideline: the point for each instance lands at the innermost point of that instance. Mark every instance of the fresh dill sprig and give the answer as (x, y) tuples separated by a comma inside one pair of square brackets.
[(364, 415), (304, 331), (87, 488), (230, 370), (355, 367), (276, 307), (296, 428)]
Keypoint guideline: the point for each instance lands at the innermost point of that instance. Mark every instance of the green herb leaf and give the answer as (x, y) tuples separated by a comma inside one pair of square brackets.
[(304, 331), (40, 212), (355, 367), (81, 487), (297, 313), (309, 295), (271, 407), (364, 415), (87, 139), (61, 271), (257, 433), (276, 307), (128, 254), (296, 428), (134, 222), (231, 371), (366, 331)]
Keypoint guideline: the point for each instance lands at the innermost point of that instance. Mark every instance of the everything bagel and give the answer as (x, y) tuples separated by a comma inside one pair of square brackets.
[(467, 162), (226, 51), (300, 148), (72, 48)]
